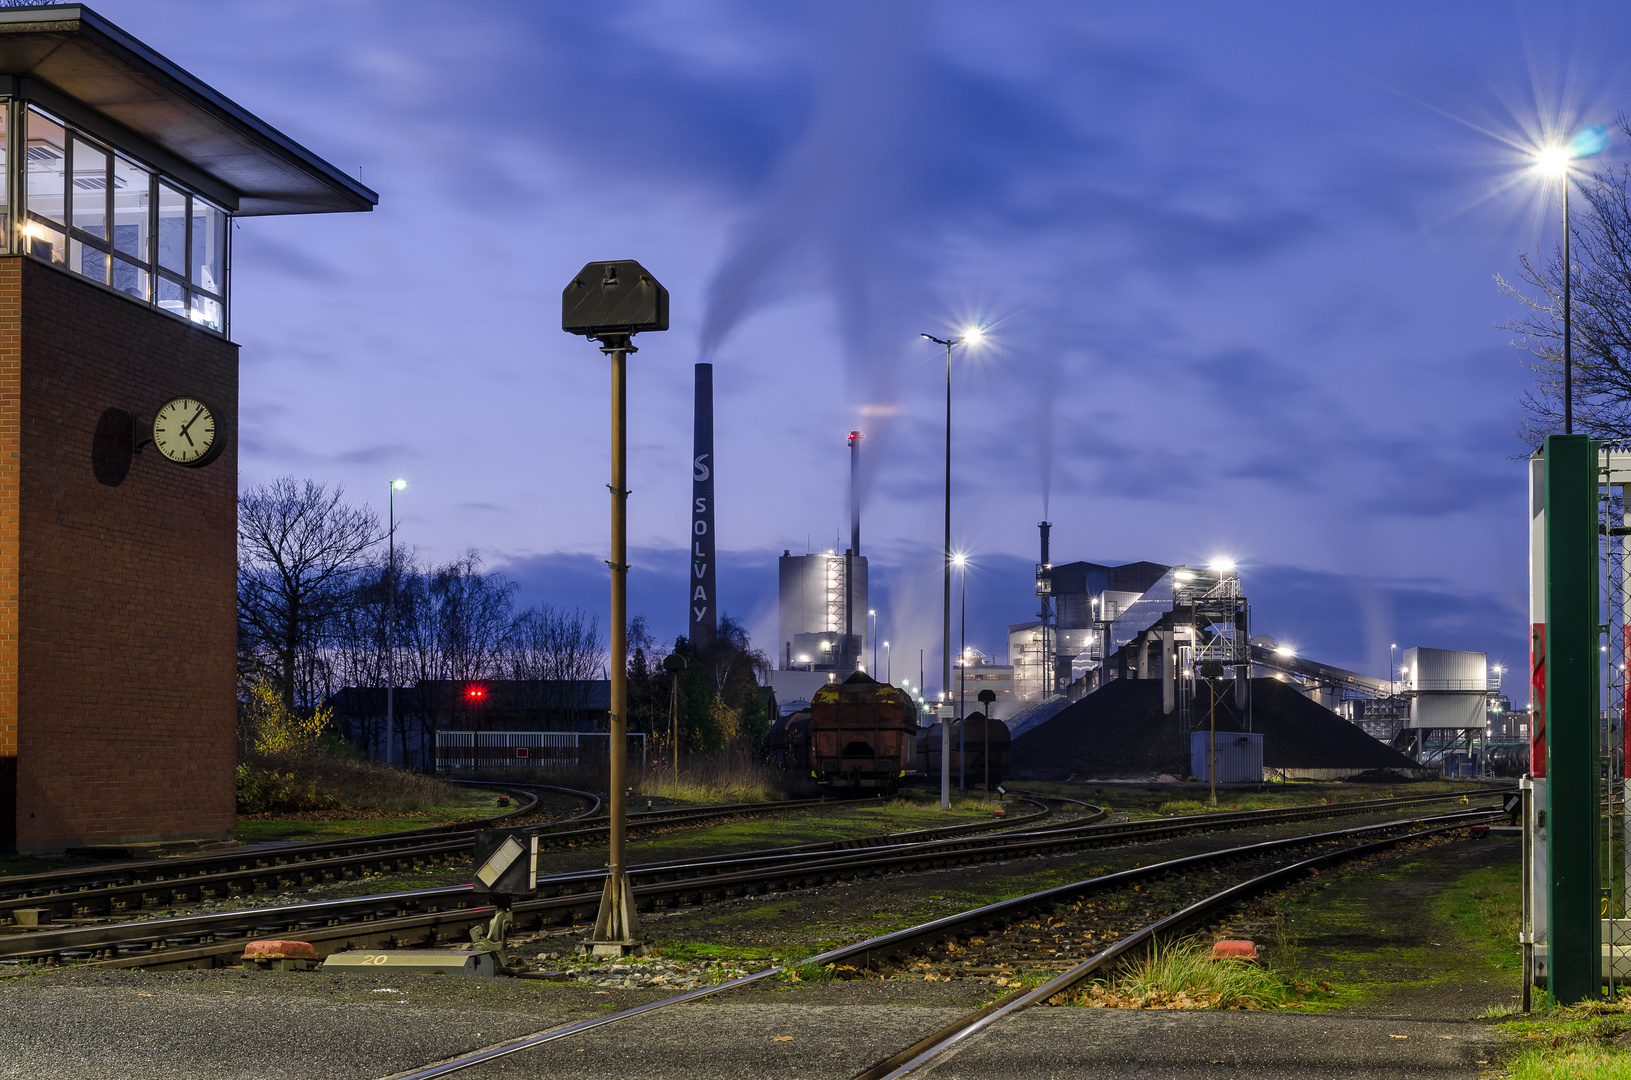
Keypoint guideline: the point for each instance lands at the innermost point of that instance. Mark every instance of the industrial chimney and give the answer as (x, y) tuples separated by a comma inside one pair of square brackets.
[(854, 549), (704, 618), (1044, 592), (855, 438)]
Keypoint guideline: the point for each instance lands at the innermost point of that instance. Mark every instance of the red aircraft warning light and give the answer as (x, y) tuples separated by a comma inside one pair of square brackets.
[(475, 693)]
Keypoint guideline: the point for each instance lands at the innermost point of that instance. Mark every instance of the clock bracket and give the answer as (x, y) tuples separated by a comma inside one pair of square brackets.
[(141, 432)]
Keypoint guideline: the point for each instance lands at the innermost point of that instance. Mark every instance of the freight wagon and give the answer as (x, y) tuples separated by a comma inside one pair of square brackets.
[(859, 734)]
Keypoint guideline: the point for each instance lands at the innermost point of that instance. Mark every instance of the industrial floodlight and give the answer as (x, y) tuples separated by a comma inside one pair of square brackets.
[(613, 298)]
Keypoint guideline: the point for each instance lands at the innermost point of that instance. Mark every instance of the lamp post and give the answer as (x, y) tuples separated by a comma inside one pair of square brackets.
[(674, 663), (962, 674), (971, 336), (872, 618), (1555, 161), (390, 633), (987, 697), (888, 666), (1212, 742)]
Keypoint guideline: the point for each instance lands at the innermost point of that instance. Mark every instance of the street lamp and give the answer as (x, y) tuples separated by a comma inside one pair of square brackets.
[(1392, 670), (962, 675), (888, 666), (390, 634), (873, 632), (971, 336), (1555, 161)]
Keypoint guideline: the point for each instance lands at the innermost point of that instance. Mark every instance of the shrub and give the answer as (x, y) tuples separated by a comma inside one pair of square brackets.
[(264, 790)]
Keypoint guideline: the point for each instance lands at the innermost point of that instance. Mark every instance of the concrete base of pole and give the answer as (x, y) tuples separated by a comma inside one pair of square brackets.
[(617, 927)]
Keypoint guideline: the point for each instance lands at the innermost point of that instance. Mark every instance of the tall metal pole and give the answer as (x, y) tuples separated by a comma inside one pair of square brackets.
[(962, 683), (945, 617), (1212, 740), (1568, 314), (390, 641), (617, 925)]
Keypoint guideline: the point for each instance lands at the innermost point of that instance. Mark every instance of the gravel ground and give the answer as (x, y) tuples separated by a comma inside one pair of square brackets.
[(229, 1024)]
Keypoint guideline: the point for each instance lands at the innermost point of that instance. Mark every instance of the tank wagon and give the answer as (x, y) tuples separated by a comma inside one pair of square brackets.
[(788, 744), (970, 735), (862, 734)]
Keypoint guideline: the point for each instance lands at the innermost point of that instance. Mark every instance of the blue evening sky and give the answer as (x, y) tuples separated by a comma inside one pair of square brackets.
[(1238, 263)]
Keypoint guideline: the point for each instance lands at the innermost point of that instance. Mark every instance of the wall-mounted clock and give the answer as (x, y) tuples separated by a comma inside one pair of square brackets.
[(188, 432)]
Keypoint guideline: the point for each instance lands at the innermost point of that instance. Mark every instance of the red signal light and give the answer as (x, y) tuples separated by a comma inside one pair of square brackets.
[(475, 693)]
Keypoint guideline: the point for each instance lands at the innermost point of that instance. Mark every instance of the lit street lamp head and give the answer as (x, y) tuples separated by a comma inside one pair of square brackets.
[(1589, 141), (398, 485), (1553, 161)]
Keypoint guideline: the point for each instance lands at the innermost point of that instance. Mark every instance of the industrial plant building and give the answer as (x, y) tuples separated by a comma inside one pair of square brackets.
[(1188, 630), (823, 611)]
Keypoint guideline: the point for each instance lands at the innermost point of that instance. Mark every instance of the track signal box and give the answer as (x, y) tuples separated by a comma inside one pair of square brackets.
[(506, 864)]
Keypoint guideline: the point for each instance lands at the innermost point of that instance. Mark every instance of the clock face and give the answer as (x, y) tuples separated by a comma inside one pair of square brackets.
[(186, 431)]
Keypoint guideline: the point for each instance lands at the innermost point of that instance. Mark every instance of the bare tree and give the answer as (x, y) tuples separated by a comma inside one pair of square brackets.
[(299, 546), (1600, 235), (554, 657)]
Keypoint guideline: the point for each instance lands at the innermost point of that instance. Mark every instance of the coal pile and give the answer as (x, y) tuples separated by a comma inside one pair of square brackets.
[(1120, 731)]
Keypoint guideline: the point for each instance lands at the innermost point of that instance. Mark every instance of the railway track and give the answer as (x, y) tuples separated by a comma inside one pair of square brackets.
[(115, 890), (1291, 858), (442, 916), (84, 878)]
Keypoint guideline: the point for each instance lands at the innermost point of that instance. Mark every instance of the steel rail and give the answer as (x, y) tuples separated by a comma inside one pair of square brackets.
[(162, 868), (936, 1046), (80, 893), (365, 908), (901, 940), (334, 925)]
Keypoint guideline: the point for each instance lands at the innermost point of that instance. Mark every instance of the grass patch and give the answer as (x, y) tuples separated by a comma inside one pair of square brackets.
[(1138, 801), (726, 781), (335, 785), (394, 802), (1183, 975), (22, 864), (1180, 807), (1589, 1041), (1486, 907)]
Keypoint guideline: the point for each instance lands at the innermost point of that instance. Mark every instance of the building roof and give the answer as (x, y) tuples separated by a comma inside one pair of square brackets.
[(72, 49), (1094, 578)]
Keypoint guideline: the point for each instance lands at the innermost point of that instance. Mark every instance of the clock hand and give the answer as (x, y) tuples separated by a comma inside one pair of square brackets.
[(189, 424)]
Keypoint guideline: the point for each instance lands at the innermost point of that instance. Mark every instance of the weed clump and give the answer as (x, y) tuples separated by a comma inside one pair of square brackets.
[(1183, 975)]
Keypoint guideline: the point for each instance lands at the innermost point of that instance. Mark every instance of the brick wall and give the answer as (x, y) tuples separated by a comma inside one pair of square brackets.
[(117, 600)]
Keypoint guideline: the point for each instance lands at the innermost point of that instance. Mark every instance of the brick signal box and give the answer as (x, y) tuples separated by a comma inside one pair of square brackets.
[(118, 567)]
